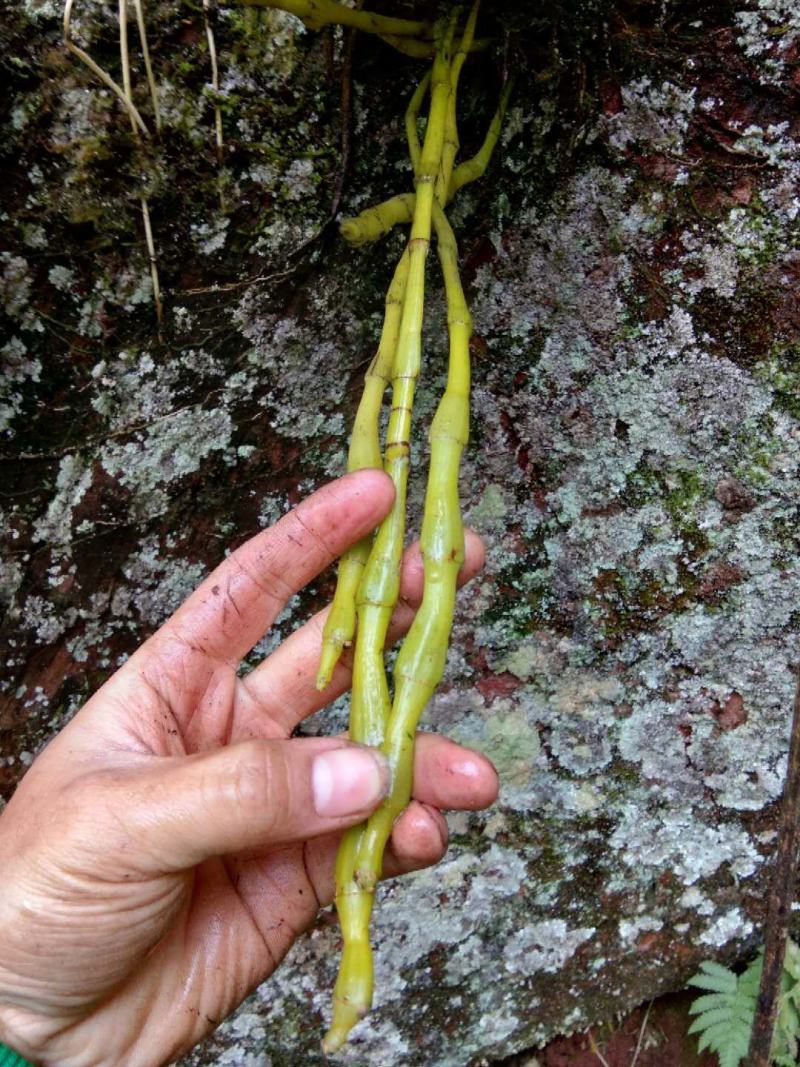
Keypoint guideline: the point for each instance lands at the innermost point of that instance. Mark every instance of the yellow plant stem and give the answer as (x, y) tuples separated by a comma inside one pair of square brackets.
[(380, 584), (422, 656), (365, 452), (422, 49), (375, 222), (412, 37), (412, 133), (450, 149), (474, 168), (410, 46), (318, 13)]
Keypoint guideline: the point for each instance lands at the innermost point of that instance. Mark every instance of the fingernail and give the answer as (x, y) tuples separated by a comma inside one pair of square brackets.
[(348, 780)]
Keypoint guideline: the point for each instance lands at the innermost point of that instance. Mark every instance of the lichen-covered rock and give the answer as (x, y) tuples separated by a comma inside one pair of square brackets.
[(632, 263)]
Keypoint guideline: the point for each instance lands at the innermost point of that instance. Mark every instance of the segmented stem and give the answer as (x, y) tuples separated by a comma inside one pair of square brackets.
[(474, 168), (376, 221), (412, 133), (365, 451), (375, 719), (380, 583), (421, 660), (421, 49), (318, 13), (450, 149)]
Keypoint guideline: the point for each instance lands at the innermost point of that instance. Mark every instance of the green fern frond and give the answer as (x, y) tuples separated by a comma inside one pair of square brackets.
[(729, 1015), (726, 1039), (715, 977), (709, 1001), (791, 962), (750, 979), (732, 1056), (724, 1014)]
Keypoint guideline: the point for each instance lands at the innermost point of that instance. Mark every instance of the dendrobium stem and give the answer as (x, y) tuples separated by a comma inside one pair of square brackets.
[(421, 661), (318, 13), (410, 36), (365, 451), (475, 168), (450, 149), (376, 221)]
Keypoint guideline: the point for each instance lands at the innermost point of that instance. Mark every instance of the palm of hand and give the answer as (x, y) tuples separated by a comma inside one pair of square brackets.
[(150, 892)]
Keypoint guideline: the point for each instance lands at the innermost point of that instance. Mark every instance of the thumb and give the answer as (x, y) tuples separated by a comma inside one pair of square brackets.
[(252, 795)]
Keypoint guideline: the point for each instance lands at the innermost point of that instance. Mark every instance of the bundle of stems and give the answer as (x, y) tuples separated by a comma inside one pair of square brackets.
[(368, 581)]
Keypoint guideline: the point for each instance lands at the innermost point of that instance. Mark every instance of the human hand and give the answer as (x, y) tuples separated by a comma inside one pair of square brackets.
[(168, 846)]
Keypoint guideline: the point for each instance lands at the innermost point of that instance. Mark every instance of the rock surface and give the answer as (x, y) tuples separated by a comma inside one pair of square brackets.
[(632, 263)]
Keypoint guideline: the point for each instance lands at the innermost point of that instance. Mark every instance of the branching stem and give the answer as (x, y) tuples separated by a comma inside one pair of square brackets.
[(365, 452), (318, 13), (375, 717), (376, 221)]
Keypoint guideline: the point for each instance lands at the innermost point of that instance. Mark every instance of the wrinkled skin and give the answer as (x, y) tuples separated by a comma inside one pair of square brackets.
[(165, 850)]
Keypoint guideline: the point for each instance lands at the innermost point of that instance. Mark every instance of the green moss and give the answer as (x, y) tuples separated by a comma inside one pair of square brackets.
[(678, 488), (780, 371), (513, 746)]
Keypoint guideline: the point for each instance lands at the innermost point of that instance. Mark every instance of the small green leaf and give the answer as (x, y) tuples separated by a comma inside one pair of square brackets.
[(714, 977)]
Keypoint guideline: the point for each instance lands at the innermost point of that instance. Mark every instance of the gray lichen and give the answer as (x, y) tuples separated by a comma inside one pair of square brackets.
[(626, 659)]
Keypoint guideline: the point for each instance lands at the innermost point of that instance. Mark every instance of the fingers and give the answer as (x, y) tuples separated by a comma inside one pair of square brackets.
[(256, 795), (284, 685), (449, 776), (446, 775), (238, 602), (262, 795), (419, 839)]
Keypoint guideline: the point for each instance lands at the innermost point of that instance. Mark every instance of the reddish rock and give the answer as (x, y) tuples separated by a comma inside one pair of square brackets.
[(730, 714)]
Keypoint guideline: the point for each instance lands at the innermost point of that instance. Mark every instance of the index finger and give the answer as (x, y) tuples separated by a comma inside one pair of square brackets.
[(238, 602)]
